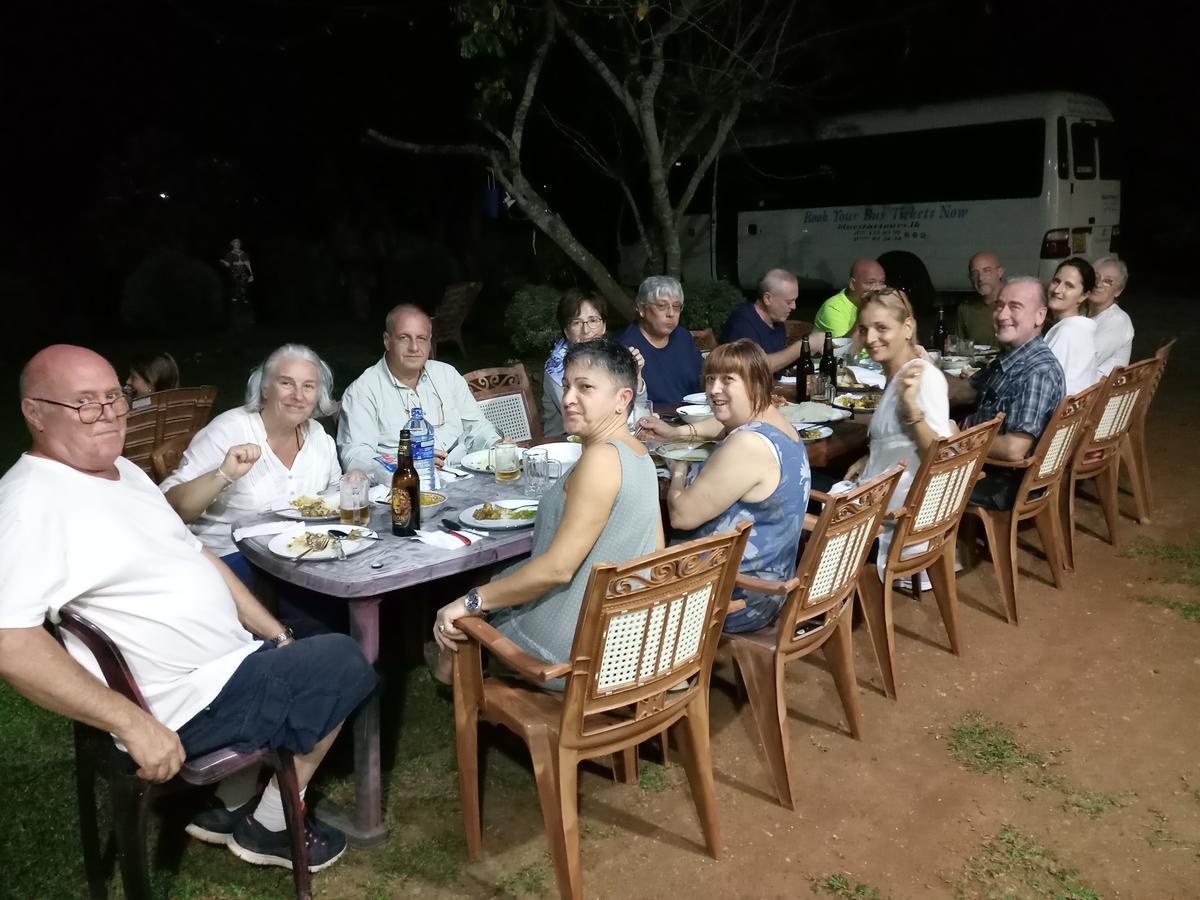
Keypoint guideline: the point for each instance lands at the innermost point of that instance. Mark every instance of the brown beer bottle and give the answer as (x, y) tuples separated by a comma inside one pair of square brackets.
[(805, 373), (406, 490)]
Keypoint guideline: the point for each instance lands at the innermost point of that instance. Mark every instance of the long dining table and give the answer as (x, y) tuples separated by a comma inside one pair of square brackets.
[(365, 580)]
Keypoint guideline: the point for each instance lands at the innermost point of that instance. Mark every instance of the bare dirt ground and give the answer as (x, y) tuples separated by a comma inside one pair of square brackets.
[(1098, 690)]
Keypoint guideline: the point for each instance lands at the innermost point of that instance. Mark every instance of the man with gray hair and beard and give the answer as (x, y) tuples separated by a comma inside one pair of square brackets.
[(763, 319)]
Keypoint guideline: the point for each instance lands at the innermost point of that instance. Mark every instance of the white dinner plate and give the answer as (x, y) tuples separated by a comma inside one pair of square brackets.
[(700, 399), (844, 398), (467, 516), (811, 413), (686, 451), (285, 509), (289, 544), (820, 432), (565, 452), (476, 462)]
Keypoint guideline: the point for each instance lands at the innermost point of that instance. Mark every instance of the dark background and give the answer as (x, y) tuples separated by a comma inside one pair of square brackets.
[(250, 118)]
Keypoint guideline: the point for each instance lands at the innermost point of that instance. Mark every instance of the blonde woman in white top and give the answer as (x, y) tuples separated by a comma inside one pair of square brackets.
[(1072, 337), (914, 410), (269, 449)]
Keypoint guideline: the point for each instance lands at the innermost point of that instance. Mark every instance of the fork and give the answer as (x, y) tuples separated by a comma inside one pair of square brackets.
[(320, 542)]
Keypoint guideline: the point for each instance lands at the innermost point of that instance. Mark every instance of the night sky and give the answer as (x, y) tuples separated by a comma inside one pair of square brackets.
[(279, 94)]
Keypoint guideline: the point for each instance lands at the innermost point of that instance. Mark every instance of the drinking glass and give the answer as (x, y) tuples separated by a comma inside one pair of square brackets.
[(353, 506), (505, 462), (540, 470), (820, 388), (642, 409)]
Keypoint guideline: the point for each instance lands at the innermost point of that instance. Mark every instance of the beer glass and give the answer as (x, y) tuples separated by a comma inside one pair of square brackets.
[(540, 470), (353, 506), (505, 462)]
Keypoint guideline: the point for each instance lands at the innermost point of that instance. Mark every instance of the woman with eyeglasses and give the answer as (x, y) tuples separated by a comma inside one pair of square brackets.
[(269, 449), (1072, 336), (581, 317), (672, 362), (1114, 328)]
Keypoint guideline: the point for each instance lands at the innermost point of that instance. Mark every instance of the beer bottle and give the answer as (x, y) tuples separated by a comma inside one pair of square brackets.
[(939, 332), (828, 360), (806, 372), (406, 490)]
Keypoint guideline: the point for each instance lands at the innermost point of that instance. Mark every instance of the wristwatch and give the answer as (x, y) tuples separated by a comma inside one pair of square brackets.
[(284, 638), (474, 602)]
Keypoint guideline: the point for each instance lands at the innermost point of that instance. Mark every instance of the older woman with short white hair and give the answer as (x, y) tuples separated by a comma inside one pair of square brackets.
[(269, 449), (1114, 328), (672, 362)]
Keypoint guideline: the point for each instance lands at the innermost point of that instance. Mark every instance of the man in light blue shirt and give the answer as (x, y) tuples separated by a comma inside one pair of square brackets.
[(379, 403)]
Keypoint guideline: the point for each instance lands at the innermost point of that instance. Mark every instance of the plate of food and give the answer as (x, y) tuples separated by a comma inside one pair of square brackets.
[(864, 402), (812, 413), (810, 433), (476, 462), (310, 507), (500, 514), (315, 539), (686, 451)]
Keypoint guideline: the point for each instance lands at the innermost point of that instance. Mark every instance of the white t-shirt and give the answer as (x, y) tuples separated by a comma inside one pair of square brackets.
[(115, 552), (1073, 342), (1114, 339), (314, 468)]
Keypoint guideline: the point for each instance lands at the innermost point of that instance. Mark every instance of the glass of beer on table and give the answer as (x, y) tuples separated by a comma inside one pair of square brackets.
[(505, 461), (353, 505)]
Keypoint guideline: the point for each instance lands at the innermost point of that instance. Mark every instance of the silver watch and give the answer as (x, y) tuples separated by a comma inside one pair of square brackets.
[(474, 602)]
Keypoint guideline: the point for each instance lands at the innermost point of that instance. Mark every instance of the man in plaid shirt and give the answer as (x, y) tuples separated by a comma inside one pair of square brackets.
[(1025, 382)]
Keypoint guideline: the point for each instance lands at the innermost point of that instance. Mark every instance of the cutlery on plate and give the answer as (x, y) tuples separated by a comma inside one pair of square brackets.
[(320, 542), (340, 535)]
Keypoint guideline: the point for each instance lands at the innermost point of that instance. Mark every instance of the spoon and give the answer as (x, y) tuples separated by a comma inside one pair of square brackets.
[(346, 536)]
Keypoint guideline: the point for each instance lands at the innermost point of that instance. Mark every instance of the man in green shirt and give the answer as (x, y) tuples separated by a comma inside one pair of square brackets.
[(838, 314), (973, 318)]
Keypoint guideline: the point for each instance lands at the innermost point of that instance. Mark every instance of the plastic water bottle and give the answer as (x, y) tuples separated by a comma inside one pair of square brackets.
[(422, 449)]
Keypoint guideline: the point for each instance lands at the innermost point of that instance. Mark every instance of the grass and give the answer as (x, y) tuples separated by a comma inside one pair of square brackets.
[(530, 881), (1190, 611), (839, 886), (655, 777), (1186, 555), (1015, 865)]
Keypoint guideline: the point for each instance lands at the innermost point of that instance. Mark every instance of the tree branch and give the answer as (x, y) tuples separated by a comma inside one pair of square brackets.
[(598, 65), (531, 81), (714, 149), (473, 150)]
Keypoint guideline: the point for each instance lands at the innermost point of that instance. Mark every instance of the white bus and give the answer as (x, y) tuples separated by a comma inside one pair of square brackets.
[(1033, 177)]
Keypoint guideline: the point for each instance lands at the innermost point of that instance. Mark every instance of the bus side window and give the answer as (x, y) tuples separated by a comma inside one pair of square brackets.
[(1110, 154), (1083, 145)]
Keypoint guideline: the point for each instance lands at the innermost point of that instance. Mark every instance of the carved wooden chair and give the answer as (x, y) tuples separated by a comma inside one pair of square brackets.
[(816, 615), (924, 539), (131, 797), (645, 626), (164, 459), (1037, 498), (452, 311), (1135, 454), (704, 339), (506, 398), (162, 415), (1098, 455), (796, 329)]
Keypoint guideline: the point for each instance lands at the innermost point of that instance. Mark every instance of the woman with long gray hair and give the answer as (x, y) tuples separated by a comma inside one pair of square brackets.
[(268, 449)]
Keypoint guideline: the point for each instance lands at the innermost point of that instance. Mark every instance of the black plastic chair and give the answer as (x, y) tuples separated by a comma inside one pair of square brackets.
[(97, 755)]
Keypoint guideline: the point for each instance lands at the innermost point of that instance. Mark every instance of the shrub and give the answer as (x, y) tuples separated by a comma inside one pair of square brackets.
[(707, 304), (171, 292), (530, 318)]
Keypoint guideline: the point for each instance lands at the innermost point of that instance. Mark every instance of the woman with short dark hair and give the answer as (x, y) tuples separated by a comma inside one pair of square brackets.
[(150, 373)]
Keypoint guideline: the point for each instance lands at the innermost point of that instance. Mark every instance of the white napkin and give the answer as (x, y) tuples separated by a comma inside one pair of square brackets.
[(380, 493), (868, 376), (447, 541), (787, 379), (266, 528)]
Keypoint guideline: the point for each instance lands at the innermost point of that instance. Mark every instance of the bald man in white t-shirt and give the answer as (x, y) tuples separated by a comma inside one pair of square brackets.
[(82, 527)]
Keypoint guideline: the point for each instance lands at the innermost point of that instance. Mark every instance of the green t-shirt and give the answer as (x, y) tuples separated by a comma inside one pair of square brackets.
[(837, 315), (973, 320)]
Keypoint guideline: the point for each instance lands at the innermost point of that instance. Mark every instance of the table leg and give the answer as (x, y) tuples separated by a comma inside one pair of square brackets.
[(364, 827)]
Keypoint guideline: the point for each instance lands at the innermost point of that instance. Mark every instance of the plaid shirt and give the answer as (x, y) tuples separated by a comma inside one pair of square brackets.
[(1026, 384)]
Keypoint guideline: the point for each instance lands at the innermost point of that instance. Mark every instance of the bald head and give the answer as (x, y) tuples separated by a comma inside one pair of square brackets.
[(986, 274), (865, 275), (54, 384)]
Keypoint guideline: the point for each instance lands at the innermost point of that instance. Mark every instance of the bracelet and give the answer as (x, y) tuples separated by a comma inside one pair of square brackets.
[(228, 480), (692, 430)]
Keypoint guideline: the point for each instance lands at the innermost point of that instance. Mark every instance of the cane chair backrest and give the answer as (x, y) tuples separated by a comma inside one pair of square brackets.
[(835, 550), (1057, 444), (162, 415), (942, 486), (506, 399), (1116, 407), (704, 339), (645, 626)]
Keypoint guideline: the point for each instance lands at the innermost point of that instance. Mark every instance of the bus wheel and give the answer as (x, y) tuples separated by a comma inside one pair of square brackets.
[(906, 271)]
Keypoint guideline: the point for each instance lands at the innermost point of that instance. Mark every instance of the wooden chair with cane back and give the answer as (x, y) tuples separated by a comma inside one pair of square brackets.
[(926, 529), (816, 615), (704, 339), (132, 798), (1037, 498), (640, 663), (1135, 454), (1098, 456), (162, 415), (506, 398), (452, 311)]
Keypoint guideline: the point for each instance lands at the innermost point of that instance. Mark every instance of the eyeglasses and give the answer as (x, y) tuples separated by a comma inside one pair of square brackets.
[(1106, 282), (661, 307), (90, 413), (589, 322)]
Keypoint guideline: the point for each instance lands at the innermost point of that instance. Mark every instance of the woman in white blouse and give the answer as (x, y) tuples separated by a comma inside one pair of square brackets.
[(1072, 336), (914, 410), (269, 449)]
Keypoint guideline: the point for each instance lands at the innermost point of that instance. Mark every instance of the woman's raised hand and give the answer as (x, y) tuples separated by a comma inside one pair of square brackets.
[(240, 459), (910, 385), (653, 426)]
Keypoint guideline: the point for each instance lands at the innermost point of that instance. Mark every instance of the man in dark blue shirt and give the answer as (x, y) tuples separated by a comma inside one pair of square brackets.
[(673, 364), (763, 319)]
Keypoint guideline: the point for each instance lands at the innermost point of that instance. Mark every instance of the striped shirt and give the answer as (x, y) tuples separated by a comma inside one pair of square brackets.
[(1025, 384)]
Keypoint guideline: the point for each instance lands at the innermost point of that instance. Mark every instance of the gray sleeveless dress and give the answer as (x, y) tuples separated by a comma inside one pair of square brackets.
[(546, 626)]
